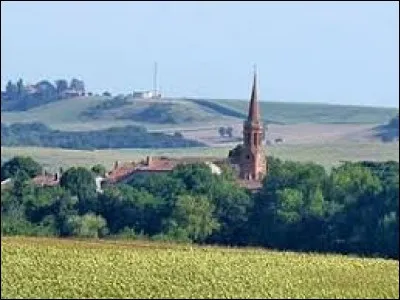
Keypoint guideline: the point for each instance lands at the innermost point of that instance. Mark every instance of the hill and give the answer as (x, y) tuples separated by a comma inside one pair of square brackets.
[(83, 113), (55, 268)]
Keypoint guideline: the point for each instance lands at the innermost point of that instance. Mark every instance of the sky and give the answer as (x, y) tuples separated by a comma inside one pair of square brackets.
[(327, 52)]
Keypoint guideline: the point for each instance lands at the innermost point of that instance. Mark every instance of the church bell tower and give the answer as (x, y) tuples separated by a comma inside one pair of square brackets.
[(252, 159)]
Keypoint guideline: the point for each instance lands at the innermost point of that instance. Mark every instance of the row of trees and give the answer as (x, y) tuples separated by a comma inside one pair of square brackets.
[(38, 134), (228, 131), (354, 209), (18, 96)]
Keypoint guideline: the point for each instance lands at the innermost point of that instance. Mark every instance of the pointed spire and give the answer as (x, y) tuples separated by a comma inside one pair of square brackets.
[(254, 112)]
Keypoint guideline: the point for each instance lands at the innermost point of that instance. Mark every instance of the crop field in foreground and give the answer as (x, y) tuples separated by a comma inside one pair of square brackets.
[(55, 268)]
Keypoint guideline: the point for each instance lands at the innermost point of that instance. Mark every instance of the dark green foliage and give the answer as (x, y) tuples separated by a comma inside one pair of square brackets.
[(37, 134), (390, 131), (221, 131), (126, 207), (20, 163), (354, 209), (88, 226), (99, 170), (191, 219), (97, 111), (19, 98), (80, 182)]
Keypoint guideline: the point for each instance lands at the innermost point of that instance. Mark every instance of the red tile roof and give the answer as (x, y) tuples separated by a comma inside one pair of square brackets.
[(45, 180), (122, 172)]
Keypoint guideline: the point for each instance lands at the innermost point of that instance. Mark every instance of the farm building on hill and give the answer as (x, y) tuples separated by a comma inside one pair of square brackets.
[(146, 95)]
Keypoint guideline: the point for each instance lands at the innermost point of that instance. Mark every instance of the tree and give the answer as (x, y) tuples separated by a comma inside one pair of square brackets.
[(232, 208), (11, 90), (99, 170), (20, 87), (20, 163), (61, 86), (77, 85), (192, 218), (46, 91), (88, 226), (229, 131), (81, 182), (235, 153), (178, 134), (124, 206), (221, 131), (107, 94)]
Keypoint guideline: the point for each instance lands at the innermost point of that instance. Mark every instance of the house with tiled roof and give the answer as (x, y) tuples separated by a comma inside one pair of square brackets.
[(124, 172), (46, 180)]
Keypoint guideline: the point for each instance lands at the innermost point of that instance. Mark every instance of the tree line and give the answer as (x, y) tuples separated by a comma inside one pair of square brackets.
[(38, 134), (19, 96), (353, 209)]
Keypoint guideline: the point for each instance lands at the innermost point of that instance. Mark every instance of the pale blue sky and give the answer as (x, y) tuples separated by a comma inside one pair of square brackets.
[(344, 52)]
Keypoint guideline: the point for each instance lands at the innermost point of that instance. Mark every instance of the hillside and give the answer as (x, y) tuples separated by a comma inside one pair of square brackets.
[(102, 112), (54, 268)]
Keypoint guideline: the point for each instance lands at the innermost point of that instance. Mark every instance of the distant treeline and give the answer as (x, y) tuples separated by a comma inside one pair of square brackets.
[(354, 209), (19, 97), (38, 134), (390, 131)]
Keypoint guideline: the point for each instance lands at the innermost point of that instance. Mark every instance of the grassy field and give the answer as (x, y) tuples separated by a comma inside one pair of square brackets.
[(291, 113), (66, 114), (328, 155), (53, 268)]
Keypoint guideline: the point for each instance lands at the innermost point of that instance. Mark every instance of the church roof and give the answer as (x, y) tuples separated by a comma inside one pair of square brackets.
[(254, 111)]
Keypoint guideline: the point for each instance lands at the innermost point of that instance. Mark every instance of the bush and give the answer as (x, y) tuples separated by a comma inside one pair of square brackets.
[(88, 226)]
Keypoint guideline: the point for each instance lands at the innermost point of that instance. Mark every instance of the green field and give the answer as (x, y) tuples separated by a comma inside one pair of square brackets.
[(67, 114), (328, 155), (54, 268)]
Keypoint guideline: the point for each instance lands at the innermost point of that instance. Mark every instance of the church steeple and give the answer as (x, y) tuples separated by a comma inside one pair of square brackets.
[(254, 111), (252, 159)]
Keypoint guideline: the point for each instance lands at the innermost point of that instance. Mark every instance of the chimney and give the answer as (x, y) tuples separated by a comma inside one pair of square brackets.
[(56, 176), (148, 160)]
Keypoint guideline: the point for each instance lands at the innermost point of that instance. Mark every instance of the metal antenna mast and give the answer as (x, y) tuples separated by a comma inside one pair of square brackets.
[(155, 79)]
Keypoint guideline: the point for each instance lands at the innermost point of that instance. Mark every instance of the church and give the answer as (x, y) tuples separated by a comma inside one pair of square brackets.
[(251, 160)]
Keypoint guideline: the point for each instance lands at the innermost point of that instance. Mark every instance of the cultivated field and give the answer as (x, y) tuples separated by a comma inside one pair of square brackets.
[(326, 154), (53, 268)]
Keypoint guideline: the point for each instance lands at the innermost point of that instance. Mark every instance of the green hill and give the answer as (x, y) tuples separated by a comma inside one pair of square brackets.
[(102, 112), (56, 268)]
